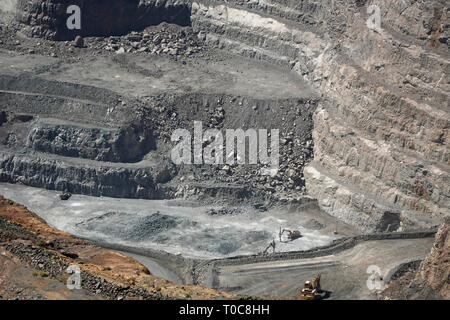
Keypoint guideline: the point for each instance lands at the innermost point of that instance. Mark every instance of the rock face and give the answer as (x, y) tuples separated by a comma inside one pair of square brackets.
[(434, 272), (88, 178), (75, 140), (381, 155), (63, 149), (381, 144), (430, 279), (99, 17), (381, 128)]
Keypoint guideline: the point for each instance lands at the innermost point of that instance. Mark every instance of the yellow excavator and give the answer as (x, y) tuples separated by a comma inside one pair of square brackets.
[(291, 235), (311, 290)]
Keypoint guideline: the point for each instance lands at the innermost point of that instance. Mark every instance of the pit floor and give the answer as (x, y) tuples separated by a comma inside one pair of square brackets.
[(165, 225), (344, 274)]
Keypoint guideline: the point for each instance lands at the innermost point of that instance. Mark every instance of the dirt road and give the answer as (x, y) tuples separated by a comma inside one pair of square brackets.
[(343, 274)]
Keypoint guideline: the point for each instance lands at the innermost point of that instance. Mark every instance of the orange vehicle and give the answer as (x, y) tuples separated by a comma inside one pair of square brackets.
[(311, 289)]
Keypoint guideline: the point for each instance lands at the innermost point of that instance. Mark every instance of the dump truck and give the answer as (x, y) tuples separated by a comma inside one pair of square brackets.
[(311, 289)]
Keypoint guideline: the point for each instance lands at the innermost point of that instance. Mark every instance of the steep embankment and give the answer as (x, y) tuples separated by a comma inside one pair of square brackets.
[(434, 272), (431, 279), (78, 138), (381, 156), (99, 18)]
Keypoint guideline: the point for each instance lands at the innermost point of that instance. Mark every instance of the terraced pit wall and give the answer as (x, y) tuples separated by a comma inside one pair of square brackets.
[(65, 136), (381, 155)]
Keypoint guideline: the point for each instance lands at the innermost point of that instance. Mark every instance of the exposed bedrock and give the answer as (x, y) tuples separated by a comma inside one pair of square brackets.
[(99, 17), (128, 144), (71, 120), (89, 178), (432, 276), (85, 141), (224, 112), (64, 136), (381, 155), (381, 129), (63, 100)]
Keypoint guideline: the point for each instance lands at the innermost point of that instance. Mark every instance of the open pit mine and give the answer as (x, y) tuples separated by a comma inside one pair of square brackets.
[(208, 149)]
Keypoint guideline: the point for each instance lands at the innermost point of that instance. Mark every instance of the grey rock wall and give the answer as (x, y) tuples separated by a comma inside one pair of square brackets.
[(128, 144), (381, 155), (99, 17)]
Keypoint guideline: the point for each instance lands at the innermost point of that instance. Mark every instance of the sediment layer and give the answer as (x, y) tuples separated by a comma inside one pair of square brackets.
[(381, 126)]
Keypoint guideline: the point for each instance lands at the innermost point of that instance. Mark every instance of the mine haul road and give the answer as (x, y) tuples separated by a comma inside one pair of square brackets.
[(343, 266), (344, 274)]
